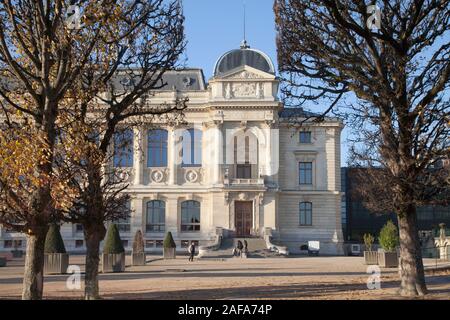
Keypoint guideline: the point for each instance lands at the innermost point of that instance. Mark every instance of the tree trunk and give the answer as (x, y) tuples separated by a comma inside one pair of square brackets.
[(411, 264), (93, 238), (33, 279)]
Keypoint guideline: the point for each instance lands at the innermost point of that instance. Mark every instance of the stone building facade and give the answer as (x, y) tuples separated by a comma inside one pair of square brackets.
[(235, 166)]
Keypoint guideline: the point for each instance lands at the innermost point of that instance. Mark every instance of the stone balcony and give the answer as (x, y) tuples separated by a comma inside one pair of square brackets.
[(244, 182)]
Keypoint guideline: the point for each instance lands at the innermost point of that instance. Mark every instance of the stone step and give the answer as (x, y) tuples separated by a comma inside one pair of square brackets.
[(256, 249)]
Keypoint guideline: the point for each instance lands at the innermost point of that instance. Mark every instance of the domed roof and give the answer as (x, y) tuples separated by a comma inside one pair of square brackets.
[(243, 56)]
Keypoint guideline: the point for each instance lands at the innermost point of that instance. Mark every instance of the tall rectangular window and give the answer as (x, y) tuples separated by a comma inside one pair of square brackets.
[(305, 172), (305, 214), (123, 148), (305, 136), (190, 215), (192, 148), (157, 148), (156, 216), (124, 224)]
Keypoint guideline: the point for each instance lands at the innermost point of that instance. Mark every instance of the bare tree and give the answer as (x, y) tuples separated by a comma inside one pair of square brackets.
[(388, 70), (112, 96), (41, 56)]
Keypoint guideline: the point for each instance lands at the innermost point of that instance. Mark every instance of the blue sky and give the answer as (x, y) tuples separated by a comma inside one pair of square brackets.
[(214, 27)]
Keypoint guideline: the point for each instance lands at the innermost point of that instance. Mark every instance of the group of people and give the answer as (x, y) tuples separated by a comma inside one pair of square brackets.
[(240, 249)]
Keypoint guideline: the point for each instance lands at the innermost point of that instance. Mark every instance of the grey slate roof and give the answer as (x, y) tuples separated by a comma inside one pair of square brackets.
[(182, 80), (296, 112)]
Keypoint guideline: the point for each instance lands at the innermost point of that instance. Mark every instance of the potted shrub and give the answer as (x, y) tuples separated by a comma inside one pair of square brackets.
[(169, 247), (56, 259), (2, 262), (370, 256), (387, 257), (113, 256), (138, 254)]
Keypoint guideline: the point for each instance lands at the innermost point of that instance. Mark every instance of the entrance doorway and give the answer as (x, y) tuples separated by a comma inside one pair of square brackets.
[(243, 212)]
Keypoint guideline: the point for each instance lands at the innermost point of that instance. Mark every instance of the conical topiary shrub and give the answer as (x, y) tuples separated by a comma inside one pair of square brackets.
[(53, 241), (113, 243), (56, 259), (169, 247), (113, 257), (138, 255)]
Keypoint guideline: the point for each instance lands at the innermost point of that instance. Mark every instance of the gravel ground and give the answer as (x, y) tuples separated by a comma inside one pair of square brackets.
[(288, 278)]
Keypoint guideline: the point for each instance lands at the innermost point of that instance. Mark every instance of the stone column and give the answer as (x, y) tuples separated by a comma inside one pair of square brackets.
[(172, 156), (218, 152), (137, 220), (138, 160)]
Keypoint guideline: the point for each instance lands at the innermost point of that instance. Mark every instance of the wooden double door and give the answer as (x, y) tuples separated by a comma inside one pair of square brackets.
[(243, 213)]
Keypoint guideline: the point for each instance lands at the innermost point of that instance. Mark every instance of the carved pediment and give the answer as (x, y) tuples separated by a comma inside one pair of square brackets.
[(245, 74)]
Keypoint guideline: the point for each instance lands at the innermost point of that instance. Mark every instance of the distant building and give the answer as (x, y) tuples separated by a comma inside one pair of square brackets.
[(357, 220)]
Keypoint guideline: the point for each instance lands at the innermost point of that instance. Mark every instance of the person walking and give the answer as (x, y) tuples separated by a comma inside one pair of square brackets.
[(240, 246), (192, 251)]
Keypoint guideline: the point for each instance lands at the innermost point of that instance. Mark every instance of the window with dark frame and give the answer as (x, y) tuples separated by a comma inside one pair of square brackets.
[(190, 215), (191, 153), (78, 228), (79, 243), (157, 148), (123, 148), (156, 216), (305, 218), (124, 224), (305, 172), (305, 136), (243, 170)]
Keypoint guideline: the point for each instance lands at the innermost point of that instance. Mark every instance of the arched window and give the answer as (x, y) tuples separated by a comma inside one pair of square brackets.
[(305, 214), (190, 215), (123, 148), (192, 148), (157, 148), (156, 216)]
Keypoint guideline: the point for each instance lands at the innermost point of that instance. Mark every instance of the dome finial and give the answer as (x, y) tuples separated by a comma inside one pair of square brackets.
[(244, 44)]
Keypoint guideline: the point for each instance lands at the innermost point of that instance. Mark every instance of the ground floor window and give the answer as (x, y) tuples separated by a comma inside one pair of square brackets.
[(190, 215), (124, 224), (156, 216), (79, 243), (305, 213), (12, 244)]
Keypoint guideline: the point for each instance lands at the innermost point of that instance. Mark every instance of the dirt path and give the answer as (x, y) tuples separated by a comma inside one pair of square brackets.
[(290, 278)]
